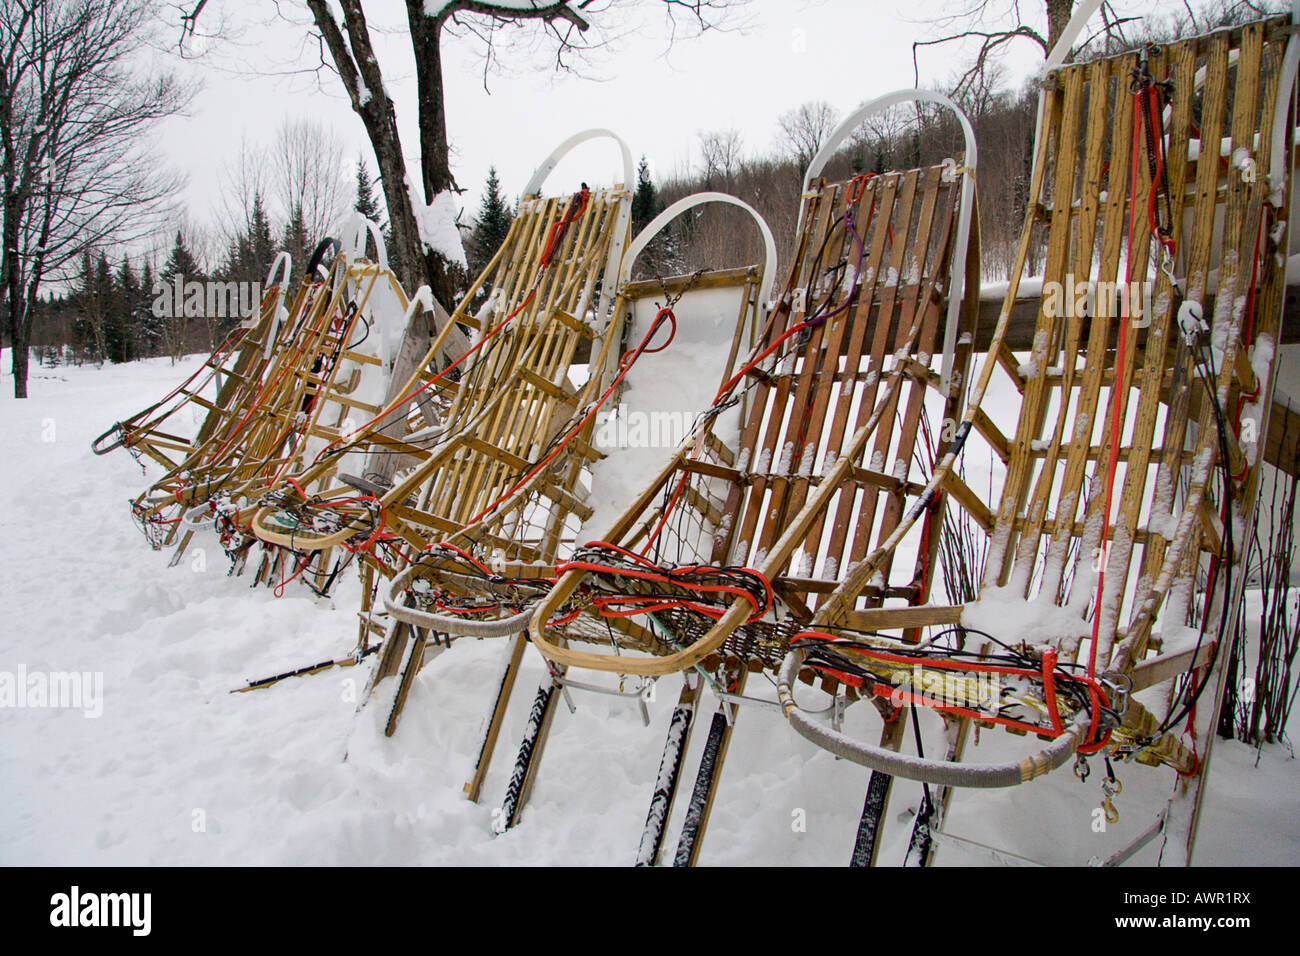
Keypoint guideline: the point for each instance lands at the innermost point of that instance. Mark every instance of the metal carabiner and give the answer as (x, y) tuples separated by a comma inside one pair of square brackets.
[(1112, 814)]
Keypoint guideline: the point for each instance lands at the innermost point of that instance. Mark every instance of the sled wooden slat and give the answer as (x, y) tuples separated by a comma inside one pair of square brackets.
[(1108, 578)]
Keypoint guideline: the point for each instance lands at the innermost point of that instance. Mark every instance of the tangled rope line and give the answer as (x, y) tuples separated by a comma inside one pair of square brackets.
[(317, 508)]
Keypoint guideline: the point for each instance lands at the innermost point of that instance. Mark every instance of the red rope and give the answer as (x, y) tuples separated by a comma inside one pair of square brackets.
[(1119, 391), (644, 604), (1046, 674), (556, 233), (625, 364)]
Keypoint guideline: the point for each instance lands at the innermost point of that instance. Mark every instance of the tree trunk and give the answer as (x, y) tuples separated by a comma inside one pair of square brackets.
[(1058, 15), (359, 70), (14, 305), (18, 343), (435, 152)]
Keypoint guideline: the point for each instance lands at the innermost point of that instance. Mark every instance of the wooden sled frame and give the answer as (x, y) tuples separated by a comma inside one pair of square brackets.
[(455, 443), (1043, 533), (758, 279), (935, 244), (510, 580), (307, 393), (232, 370), (503, 588), (881, 281), (160, 507)]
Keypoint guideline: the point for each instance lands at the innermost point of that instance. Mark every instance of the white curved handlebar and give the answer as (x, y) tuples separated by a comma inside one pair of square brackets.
[(283, 264), (548, 165), (353, 239), (957, 283), (657, 225)]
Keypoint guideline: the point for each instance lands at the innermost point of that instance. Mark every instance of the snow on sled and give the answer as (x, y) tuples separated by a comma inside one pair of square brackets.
[(751, 529), (1130, 448)]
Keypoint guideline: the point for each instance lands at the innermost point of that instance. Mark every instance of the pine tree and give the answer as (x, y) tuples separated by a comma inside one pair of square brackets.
[(368, 205), (181, 262), (250, 254), (148, 326), (125, 296), (490, 227), (645, 201), (109, 311), (645, 206), (85, 335), (295, 240), (261, 242)]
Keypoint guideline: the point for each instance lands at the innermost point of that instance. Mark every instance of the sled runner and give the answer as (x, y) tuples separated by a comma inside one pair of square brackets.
[(749, 532), (467, 583), (460, 435), (1130, 448)]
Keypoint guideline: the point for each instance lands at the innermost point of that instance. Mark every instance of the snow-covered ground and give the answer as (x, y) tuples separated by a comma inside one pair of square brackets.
[(178, 770)]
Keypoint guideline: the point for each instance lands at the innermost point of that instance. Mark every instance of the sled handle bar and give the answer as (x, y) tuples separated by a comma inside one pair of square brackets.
[(943, 773), (118, 429), (318, 256)]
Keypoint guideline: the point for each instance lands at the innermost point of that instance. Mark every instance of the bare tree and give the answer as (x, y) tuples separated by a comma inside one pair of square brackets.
[(308, 176), (506, 31), (721, 150), (994, 24), (76, 168), (806, 128), (243, 179)]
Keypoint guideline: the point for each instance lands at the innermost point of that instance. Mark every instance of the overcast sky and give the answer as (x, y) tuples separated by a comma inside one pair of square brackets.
[(787, 53)]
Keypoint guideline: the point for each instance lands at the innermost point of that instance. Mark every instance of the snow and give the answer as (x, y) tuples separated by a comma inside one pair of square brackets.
[(673, 385), (787, 453), (1162, 520), (434, 7), (437, 224), (1029, 370), (806, 459), (1009, 617), (180, 771), (828, 463)]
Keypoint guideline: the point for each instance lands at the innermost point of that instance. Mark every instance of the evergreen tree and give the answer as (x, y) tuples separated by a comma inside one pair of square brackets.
[(645, 206), (112, 320), (181, 262), (490, 227), (250, 254), (366, 203), (369, 206), (261, 242), (124, 303), (148, 326), (645, 201), (296, 241), (84, 336)]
